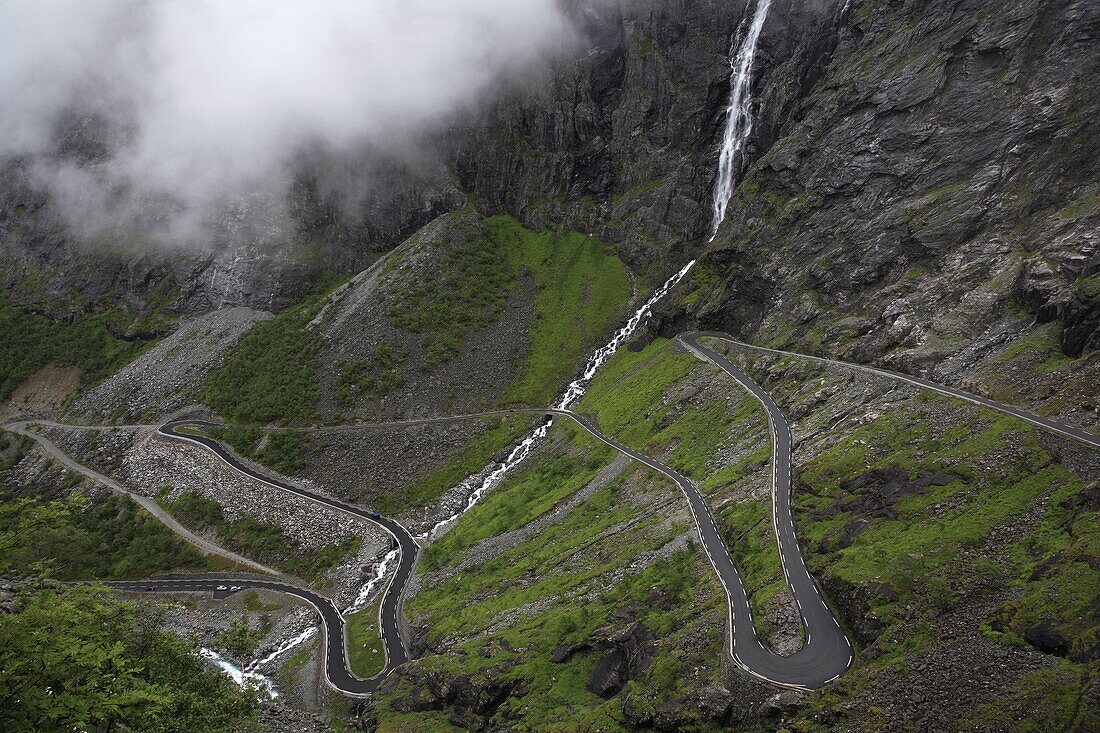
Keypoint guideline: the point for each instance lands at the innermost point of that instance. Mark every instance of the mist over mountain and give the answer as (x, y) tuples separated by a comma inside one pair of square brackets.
[(555, 365), (190, 106)]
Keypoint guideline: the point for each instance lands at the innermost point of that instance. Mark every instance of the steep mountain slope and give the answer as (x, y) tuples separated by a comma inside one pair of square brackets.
[(469, 314), (948, 540), (929, 203), (919, 192), (615, 139)]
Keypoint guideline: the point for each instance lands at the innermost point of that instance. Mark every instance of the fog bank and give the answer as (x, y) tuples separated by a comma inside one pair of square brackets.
[(205, 102)]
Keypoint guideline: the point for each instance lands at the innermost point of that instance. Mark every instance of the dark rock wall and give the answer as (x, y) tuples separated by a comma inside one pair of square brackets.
[(920, 173), (919, 182), (618, 137)]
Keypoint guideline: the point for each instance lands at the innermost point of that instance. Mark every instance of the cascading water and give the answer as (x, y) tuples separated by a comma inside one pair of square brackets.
[(738, 128), (246, 679), (365, 593), (251, 678), (573, 392), (738, 115)]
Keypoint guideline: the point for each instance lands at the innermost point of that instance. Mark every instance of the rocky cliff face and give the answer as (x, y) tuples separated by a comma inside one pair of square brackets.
[(617, 139), (921, 173), (930, 198)]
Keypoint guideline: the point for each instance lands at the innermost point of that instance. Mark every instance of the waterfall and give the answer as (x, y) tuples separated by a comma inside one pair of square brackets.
[(246, 679), (738, 114), (367, 591), (579, 386), (738, 128), (573, 392)]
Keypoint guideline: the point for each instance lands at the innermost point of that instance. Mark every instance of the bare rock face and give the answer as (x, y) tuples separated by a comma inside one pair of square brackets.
[(170, 375), (781, 704), (628, 652), (1044, 637), (614, 137), (474, 701), (935, 179)]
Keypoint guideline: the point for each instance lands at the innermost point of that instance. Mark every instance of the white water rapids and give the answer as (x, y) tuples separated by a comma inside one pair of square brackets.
[(367, 590), (738, 115), (738, 127), (573, 392), (243, 677), (251, 678)]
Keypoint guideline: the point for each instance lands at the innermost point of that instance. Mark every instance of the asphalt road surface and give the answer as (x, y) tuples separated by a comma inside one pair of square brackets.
[(1053, 426), (146, 503), (335, 665), (337, 670), (826, 653)]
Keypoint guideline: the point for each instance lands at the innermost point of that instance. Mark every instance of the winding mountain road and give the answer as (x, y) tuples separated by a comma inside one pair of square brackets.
[(149, 505), (826, 653), (1053, 426), (336, 667)]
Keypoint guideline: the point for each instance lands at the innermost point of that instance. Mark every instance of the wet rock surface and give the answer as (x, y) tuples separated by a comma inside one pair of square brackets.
[(893, 213)]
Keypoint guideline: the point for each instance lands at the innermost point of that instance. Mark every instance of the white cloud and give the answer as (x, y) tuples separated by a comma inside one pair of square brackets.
[(214, 97)]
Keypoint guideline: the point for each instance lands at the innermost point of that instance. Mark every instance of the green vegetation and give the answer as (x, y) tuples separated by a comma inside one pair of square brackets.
[(301, 656), (989, 478), (903, 550), (1081, 206), (283, 451), (581, 289), (465, 292), (627, 399), (747, 527), (262, 542), (1045, 342), (517, 607), (252, 602), (1002, 473), (74, 538), (373, 378), (630, 385), (1090, 286), (639, 190), (78, 659), (239, 639), (365, 652), (271, 374), (536, 491), (77, 539), (475, 457), (29, 342)]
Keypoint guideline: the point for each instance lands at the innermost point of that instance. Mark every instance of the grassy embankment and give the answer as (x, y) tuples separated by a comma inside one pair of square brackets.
[(944, 545), (928, 551), (262, 542), (510, 612), (581, 288), (365, 653), (74, 538), (628, 399), (270, 376), (570, 559)]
